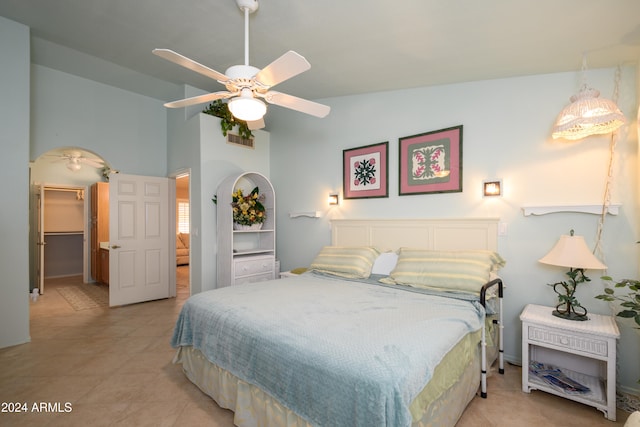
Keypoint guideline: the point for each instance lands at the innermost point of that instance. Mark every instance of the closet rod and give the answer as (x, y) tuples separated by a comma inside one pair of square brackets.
[(74, 190), (79, 191)]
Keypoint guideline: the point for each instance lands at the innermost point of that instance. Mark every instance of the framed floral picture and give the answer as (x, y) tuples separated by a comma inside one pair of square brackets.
[(431, 162), (365, 171)]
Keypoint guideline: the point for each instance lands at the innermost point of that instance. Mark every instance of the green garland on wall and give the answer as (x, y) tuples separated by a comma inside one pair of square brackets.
[(219, 108)]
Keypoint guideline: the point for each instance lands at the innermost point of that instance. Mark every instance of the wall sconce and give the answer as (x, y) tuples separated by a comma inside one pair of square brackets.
[(333, 199), (491, 188)]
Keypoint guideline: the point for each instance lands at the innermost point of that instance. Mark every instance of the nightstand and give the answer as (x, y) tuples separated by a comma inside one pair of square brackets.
[(285, 274), (584, 350)]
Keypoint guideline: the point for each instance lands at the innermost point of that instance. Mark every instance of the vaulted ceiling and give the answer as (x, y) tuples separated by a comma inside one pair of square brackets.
[(353, 46)]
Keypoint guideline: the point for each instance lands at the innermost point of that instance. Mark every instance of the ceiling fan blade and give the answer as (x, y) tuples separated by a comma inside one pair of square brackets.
[(288, 65), (92, 162), (198, 99), (192, 65), (256, 124), (298, 104)]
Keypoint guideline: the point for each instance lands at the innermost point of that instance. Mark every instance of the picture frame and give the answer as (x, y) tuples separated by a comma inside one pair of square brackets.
[(431, 162), (365, 171)]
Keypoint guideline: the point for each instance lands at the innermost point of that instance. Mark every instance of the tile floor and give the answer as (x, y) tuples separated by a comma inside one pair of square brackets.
[(113, 367)]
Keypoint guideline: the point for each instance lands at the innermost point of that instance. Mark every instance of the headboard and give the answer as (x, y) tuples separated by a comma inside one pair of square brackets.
[(435, 234)]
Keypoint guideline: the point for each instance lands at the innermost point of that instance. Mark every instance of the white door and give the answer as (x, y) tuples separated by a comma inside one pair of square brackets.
[(138, 239)]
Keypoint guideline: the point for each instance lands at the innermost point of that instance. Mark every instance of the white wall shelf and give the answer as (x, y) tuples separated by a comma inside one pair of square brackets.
[(612, 209), (310, 214)]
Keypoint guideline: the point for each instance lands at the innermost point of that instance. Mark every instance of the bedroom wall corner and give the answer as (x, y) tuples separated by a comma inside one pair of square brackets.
[(14, 167), (183, 152), (196, 142)]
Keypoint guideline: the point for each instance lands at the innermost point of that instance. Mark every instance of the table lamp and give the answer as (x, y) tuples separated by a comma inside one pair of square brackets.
[(571, 251)]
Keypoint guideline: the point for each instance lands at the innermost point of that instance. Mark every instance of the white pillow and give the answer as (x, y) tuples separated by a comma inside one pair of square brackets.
[(385, 263)]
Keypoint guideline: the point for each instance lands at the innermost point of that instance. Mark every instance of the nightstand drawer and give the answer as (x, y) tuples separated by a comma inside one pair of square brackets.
[(571, 341), (253, 279), (253, 266)]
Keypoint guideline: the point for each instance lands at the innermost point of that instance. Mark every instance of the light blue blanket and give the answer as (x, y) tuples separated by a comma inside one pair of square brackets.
[(338, 353)]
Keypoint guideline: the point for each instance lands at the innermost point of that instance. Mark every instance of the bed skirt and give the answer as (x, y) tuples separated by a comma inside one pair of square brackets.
[(253, 407)]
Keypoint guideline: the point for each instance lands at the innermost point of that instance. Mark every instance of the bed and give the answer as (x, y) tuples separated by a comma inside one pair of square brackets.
[(358, 340)]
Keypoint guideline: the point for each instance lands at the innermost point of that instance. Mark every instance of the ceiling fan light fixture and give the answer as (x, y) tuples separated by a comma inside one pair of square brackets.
[(248, 109), (73, 165)]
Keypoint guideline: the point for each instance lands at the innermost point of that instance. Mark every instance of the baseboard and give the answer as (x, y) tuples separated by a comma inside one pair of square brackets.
[(63, 275)]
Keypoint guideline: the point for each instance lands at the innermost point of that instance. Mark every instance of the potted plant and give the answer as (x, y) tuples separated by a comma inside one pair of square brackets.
[(220, 109), (629, 302)]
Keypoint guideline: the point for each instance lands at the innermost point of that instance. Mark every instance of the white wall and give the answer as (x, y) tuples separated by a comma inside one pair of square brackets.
[(128, 130), (506, 135), (14, 141)]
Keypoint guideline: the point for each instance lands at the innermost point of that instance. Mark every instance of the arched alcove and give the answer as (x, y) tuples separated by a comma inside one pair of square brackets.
[(65, 174), (69, 165)]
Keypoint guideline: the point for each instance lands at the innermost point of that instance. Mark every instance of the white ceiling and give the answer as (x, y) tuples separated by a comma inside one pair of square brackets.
[(353, 46)]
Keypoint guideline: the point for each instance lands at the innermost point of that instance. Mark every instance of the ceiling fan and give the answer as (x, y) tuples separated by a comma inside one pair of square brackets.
[(75, 160), (246, 85)]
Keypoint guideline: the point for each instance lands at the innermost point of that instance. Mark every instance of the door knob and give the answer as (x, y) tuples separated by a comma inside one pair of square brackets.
[(115, 246)]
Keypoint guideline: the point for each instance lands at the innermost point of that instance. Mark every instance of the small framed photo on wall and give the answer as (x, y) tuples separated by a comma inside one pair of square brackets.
[(431, 162), (365, 171)]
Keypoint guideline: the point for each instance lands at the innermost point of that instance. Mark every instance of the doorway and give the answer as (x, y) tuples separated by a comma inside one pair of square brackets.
[(183, 235), (77, 168), (62, 234), (73, 170)]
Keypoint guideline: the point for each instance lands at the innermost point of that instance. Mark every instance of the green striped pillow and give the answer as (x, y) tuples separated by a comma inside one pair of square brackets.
[(459, 271), (353, 262)]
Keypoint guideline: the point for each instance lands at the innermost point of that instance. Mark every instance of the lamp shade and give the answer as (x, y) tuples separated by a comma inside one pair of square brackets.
[(587, 115), (572, 251)]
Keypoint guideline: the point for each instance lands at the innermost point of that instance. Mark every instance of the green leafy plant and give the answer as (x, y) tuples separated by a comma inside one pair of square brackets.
[(219, 108), (630, 302)]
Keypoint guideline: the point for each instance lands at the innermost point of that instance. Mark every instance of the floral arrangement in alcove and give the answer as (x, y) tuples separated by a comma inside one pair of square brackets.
[(248, 210)]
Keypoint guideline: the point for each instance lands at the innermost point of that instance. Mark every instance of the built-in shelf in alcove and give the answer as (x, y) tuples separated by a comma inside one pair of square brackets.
[(612, 209)]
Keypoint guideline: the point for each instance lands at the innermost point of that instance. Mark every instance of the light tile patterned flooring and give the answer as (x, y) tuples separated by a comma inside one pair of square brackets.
[(114, 368)]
